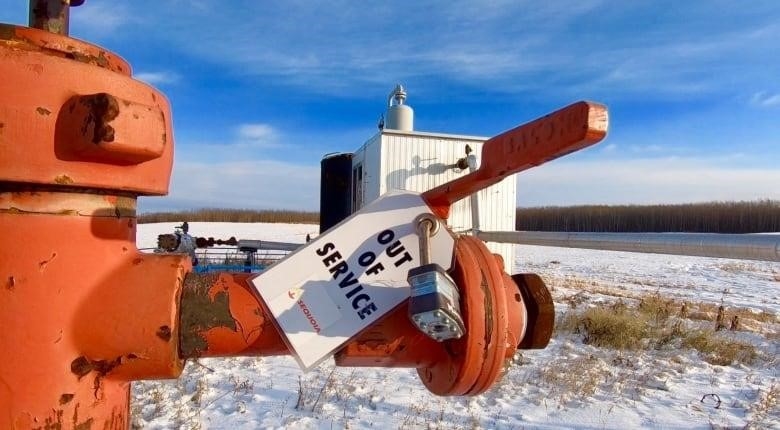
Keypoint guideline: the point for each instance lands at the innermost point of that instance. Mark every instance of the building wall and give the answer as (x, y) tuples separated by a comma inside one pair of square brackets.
[(420, 161), (367, 157)]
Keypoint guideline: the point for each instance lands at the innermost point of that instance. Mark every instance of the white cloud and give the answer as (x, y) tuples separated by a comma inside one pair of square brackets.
[(644, 181), (509, 47), (609, 148), (346, 45), (539, 50), (765, 99), (253, 184), (158, 78), (245, 139), (257, 132), (681, 61), (98, 18), (259, 136), (650, 148)]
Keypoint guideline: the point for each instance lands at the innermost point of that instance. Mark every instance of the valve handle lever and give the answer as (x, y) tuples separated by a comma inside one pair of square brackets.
[(574, 127)]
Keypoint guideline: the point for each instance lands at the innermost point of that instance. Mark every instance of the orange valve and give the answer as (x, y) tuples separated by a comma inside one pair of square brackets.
[(221, 315), (475, 361), (494, 317)]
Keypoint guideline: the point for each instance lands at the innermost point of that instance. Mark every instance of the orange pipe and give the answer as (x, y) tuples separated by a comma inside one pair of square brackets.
[(393, 341), (222, 317)]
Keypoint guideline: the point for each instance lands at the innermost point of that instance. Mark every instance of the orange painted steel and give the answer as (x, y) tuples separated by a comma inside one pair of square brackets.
[(494, 316), (82, 311), (572, 128), (222, 316), (393, 341), (56, 45), (51, 15), (71, 116)]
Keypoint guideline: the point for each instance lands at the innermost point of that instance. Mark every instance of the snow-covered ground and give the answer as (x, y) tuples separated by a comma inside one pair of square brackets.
[(567, 385)]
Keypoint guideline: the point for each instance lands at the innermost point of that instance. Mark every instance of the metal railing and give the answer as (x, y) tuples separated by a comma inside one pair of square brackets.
[(232, 259), (764, 247)]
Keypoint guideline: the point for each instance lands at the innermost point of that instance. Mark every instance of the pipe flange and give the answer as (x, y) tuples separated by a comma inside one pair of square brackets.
[(493, 325)]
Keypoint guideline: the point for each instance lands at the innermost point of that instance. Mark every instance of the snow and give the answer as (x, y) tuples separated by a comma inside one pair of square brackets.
[(568, 385)]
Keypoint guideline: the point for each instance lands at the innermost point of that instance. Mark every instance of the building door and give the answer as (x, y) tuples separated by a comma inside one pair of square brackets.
[(357, 187)]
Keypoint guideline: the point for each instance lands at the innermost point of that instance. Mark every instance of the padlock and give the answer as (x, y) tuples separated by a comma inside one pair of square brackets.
[(434, 302)]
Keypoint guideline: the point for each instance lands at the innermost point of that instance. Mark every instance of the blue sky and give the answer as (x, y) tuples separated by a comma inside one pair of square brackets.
[(261, 90)]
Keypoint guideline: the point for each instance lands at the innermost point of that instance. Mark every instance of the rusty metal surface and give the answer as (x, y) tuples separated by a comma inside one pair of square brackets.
[(494, 316), (50, 15), (56, 45), (134, 151), (476, 361), (541, 311), (65, 203), (83, 313), (113, 130), (221, 316), (393, 341), (564, 131)]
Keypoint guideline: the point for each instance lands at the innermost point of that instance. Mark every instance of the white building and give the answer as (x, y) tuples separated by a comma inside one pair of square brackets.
[(398, 157)]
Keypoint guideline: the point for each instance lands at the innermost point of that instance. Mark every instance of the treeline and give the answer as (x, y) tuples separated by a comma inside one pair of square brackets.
[(233, 215), (716, 217)]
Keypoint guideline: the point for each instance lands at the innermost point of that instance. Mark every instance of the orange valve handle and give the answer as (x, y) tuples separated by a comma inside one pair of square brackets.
[(572, 128)]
